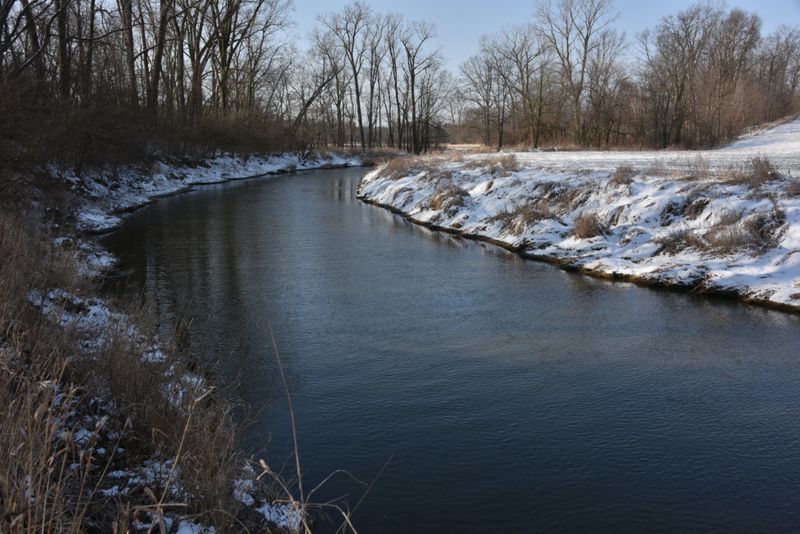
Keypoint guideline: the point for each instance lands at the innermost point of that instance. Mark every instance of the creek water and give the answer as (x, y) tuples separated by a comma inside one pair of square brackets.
[(499, 394)]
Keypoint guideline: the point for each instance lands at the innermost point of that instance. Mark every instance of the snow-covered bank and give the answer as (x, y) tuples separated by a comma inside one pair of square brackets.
[(97, 428), (717, 224), (107, 193)]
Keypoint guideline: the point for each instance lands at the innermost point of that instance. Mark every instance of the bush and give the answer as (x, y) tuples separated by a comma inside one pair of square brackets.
[(589, 225)]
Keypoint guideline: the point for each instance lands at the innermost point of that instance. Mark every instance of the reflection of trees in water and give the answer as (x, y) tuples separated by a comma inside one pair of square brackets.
[(183, 259)]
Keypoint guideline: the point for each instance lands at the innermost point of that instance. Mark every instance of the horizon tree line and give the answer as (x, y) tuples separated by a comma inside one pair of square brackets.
[(227, 74)]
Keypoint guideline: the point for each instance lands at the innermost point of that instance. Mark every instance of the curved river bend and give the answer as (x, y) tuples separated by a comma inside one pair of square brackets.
[(510, 395)]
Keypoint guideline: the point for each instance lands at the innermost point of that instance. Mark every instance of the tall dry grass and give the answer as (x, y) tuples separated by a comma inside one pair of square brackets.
[(58, 432)]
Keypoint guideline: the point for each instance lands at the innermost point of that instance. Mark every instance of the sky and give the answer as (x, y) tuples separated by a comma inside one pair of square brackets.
[(459, 24)]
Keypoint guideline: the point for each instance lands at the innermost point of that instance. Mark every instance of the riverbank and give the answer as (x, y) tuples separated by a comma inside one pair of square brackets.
[(727, 223), (135, 434)]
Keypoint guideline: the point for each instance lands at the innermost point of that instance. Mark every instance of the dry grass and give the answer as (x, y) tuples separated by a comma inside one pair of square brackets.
[(695, 207), (518, 219), (758, 172), (793, 188), (589, 225), (731, 234), (656, 168), (396, 168), (505, 165), (403, 166), (623, 176), (568, 199), (680, 241), (447, 197), (756, 233), (50, 483), (699, 169)]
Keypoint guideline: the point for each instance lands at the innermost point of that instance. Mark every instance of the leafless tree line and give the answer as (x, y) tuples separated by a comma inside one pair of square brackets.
[(697, 79), (171, 57), (372, 80), (368, 79)]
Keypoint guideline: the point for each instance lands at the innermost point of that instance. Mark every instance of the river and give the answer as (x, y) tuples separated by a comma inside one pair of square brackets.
[(505, 395)]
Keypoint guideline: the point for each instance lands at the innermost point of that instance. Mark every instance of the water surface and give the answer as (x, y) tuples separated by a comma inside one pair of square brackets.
[(509, 395)]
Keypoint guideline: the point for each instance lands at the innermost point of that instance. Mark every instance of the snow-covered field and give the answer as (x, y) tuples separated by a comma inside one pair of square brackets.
[(781, 145), (700, 219)]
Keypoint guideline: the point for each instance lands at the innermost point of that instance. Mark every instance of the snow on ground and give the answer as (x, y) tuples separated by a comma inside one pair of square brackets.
[(692, 219), (780, 144)]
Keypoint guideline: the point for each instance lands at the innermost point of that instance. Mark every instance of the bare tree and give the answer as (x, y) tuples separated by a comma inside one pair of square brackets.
[(573, 29), (350, 28)]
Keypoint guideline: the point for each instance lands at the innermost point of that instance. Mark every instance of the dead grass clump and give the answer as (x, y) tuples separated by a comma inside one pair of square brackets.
[(570, 198), (500, 165), (680, 241), (793, 188), (695, 207), (728, 239), (623, 176), (506, 165), (447, 197), (400, 167), (756, 233), (521, 217), (589, 225), (657, 168), (759, 171), (762, 170)]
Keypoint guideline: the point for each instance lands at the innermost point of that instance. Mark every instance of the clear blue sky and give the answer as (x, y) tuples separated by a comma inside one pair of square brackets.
[(460, 24)]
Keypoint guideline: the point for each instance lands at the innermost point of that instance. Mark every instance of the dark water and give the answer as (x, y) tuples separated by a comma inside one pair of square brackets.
[(510, 396)]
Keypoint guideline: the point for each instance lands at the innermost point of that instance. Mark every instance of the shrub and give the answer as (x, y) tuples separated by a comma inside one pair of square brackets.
[(589, 225)]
